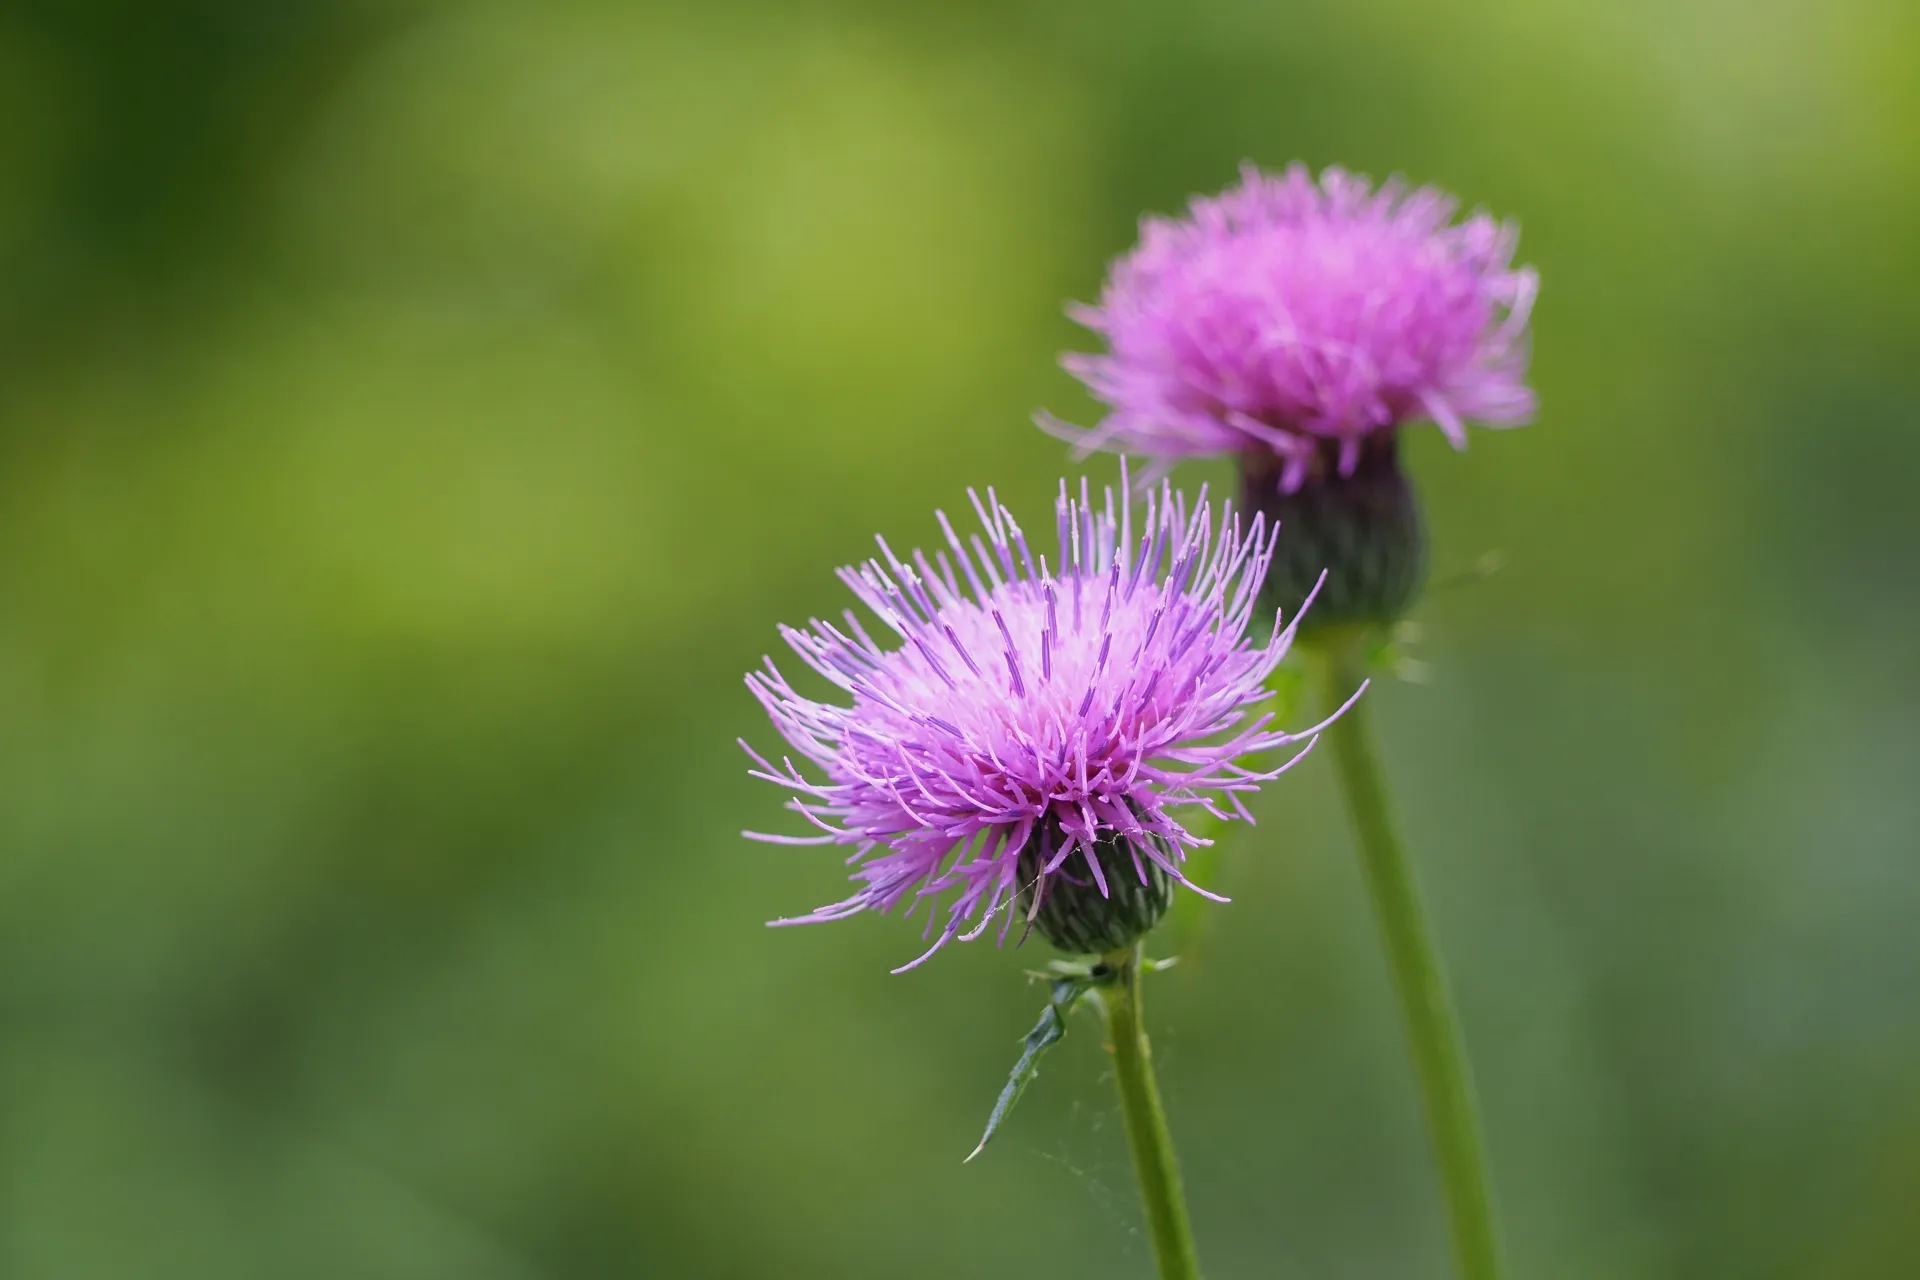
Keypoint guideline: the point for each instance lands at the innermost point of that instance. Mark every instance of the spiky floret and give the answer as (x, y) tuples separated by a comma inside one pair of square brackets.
[(1300, 317), (1023, 709)]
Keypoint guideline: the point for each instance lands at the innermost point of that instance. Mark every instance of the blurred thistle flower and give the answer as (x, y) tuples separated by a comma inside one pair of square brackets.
[(1298, 324), (1026, 742), (1285, 315)]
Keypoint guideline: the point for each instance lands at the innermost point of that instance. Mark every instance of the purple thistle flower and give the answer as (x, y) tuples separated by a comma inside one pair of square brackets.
[(1033, 728), (1297, 317)]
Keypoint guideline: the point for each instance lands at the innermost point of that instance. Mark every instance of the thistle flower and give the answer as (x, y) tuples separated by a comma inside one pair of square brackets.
[(1298, 324), (1285, 315), (1025, 741)]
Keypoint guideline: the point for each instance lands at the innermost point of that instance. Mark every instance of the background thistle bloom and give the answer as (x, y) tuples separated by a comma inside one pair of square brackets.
[(1030, 737), (1298, 324), (1285, 314)]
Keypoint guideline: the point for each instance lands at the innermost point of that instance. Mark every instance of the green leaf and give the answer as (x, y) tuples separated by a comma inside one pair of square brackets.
[(1052, 1028)]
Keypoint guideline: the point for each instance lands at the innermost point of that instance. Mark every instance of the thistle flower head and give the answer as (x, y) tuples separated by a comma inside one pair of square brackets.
[(1300, 317), (1031, 729)]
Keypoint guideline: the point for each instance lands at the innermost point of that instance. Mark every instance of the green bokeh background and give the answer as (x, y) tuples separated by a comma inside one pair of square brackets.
[(414, 418)]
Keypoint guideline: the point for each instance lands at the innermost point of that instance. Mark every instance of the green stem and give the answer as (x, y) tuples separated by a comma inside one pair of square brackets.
[(1153, 1160), (1432, 1026)]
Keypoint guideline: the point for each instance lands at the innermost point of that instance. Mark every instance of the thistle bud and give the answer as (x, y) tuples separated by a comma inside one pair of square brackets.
[(1362, 527), (1075, 915)]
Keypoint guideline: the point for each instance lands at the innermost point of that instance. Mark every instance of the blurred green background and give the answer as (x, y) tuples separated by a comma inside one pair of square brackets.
[(414, 418)]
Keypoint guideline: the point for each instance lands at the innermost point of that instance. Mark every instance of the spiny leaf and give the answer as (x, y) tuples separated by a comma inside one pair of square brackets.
[(1051, 1028)]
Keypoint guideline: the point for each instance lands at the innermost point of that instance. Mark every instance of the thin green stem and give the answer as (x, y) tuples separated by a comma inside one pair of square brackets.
[(1154, 1164), (1426, 1007)]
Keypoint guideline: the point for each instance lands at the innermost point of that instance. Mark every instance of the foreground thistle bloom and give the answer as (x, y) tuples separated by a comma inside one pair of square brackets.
[(1027, 739), (1298, 325)]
